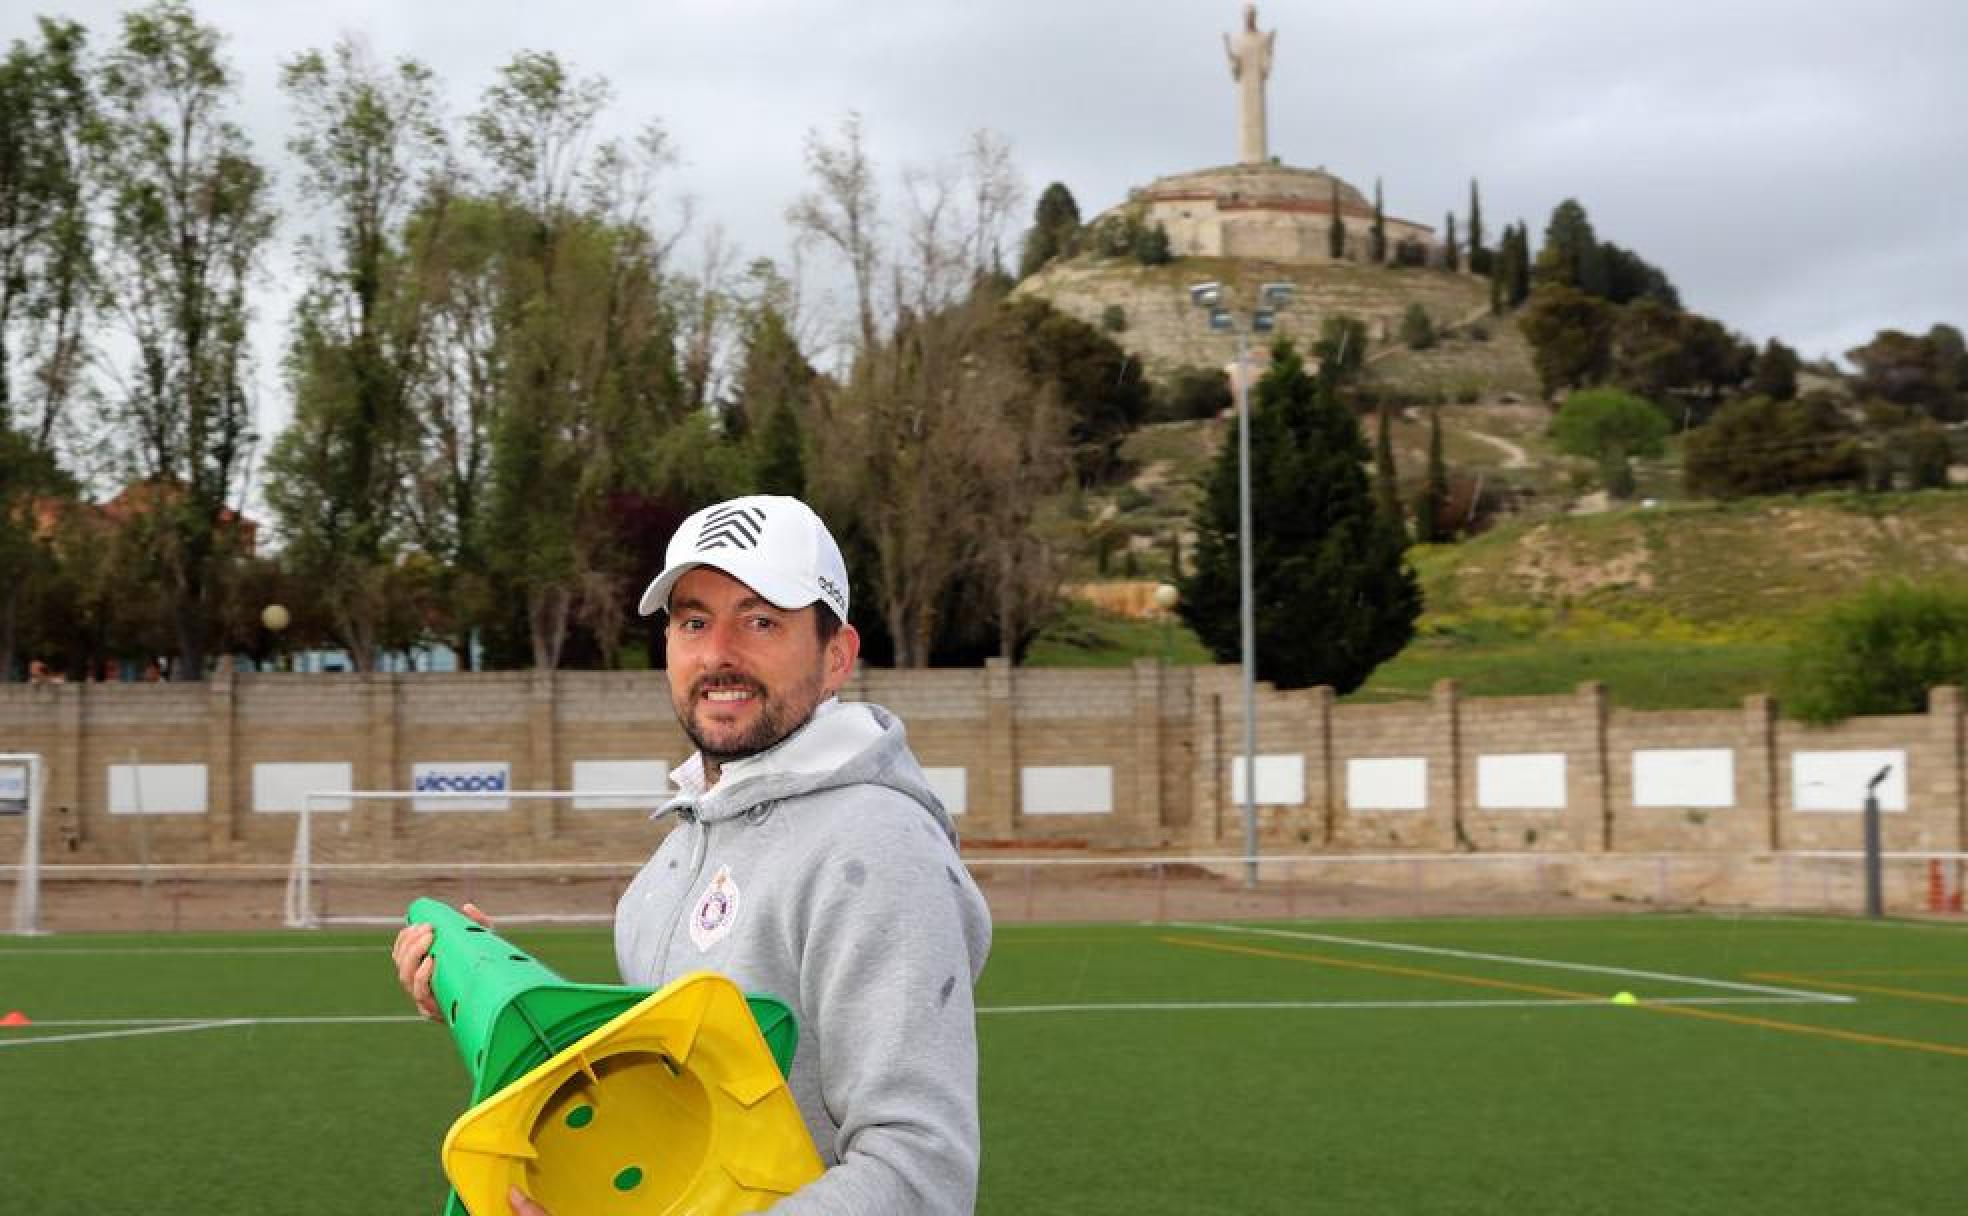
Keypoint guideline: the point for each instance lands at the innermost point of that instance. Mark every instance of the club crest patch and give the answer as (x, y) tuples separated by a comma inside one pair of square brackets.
[(716, 909)]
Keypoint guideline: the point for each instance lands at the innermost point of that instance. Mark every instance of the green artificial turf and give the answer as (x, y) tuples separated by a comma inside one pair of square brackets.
[(1289, 1067)]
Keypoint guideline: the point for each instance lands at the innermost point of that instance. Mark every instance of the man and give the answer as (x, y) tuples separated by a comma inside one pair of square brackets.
[(810, 861)]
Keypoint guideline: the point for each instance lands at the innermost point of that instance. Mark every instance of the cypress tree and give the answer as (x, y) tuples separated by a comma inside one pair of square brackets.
[(1055, 229), (1449, 249), (1377, 238), (1336, 231), (1387, 481), (1434, 500), (1334, 595), (1479, 257)]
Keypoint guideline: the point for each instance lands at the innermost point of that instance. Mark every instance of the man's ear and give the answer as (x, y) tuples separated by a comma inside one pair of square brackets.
[(842, 650)]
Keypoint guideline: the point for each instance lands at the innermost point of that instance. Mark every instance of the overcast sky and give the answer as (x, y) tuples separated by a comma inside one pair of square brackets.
[(1798, 172)]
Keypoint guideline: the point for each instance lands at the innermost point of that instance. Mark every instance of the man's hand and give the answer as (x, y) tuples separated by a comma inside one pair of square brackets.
[(521, 1205), (414, 962)]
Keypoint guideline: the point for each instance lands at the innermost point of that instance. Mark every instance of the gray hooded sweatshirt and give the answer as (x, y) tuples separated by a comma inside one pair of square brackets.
[(825, 872)]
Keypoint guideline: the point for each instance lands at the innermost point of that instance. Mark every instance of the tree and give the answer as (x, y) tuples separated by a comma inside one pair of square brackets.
[(1665, 354), (1151, 246), (1336, 227), (1570, 334), (1774, 374), (1879, 652), (1430, 525), (1341, 348), (1510, 270), (1377, 235), (366, 139), (1055, 231), (1571, 256), (1102, 388), (934, 455), (1451, 256), (1479, 256), (1190, 393), (843, 210), (1610, 427), (775, 392), (1387, 481), (48, 135), (1630, 277), (586, 346), (1927, 372), (1334, 596), (1417, 328), (189, 214), (1760, 446)]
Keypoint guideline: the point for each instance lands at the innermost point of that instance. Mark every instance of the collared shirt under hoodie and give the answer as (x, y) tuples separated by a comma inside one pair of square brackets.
[(825, 872)]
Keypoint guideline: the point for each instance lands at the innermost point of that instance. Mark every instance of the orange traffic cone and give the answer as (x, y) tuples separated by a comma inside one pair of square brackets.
[(15, 1017)]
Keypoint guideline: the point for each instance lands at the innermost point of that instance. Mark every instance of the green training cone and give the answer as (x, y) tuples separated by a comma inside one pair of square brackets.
[(538, 1048)]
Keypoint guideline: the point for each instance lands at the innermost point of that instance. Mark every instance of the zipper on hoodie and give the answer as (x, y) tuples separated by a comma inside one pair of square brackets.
[(699, 850)]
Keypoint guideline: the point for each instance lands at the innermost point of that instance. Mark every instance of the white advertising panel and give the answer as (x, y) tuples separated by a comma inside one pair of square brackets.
[(1684, 777), (1280, 779), (157, 789), (951, 786), (648, 780), (1066, 789), (13, 789), (282, 787), (1836, 781), (1525, 781), (1387, 783), (492, 779)]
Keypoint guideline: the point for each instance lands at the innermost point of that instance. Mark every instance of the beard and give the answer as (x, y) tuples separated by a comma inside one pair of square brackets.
[(778, 715)]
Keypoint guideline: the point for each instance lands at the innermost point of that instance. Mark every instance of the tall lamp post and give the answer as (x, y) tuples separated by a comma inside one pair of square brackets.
[(1211, 298)]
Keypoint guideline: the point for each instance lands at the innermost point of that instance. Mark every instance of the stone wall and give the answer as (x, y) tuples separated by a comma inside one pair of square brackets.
[(1142, 758)]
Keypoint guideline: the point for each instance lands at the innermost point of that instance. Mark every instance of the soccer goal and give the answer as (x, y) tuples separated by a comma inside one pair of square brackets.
[(447, 844), (23, 779)]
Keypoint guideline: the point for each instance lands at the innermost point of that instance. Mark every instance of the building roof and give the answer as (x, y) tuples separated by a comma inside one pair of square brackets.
[(1269, 187)]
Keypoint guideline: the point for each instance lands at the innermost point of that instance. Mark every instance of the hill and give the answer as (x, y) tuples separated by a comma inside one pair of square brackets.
[(1147, 311)]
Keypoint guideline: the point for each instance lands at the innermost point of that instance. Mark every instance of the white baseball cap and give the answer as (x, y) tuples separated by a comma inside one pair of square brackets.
[(775, 545)]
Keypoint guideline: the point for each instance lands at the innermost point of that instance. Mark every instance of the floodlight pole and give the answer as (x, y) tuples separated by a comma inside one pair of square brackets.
[(1246, 610)]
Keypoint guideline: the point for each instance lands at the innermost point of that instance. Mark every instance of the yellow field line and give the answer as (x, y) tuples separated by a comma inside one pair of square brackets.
[(1686, 1011), (1912, 994)]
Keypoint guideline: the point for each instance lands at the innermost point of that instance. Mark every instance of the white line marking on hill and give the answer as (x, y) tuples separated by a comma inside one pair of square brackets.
[(1788, 994)]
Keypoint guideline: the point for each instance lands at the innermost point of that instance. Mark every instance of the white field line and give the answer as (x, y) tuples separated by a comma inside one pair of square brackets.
[(1698, 981), (128, 1033), (1499, 1003), (123, 1028), (150, 950)]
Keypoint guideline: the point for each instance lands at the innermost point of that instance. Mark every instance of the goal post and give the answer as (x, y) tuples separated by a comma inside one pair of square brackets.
[(333, 879), (23, 784)]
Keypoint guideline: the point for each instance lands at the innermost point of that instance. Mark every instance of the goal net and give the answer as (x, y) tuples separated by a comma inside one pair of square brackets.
[(456, 846), (23, 778)]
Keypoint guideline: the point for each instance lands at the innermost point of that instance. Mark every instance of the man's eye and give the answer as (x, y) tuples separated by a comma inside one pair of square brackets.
[(763, 623), (690, 624)]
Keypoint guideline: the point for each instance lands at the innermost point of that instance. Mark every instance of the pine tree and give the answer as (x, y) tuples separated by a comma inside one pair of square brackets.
[(1055, 229), (1433, 503), (1377, 237), (1335, 597), (1387, 481), (1336, 230), (1453, 258)]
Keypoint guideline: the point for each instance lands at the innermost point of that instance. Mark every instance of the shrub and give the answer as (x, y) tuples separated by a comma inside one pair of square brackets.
[(1760, 446), (1610, 427), (1880, 652), (1417, 330), (1191, 393), (1113, 319)]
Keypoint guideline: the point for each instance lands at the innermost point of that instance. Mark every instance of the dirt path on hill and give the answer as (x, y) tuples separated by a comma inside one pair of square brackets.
[(1514, 457)]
